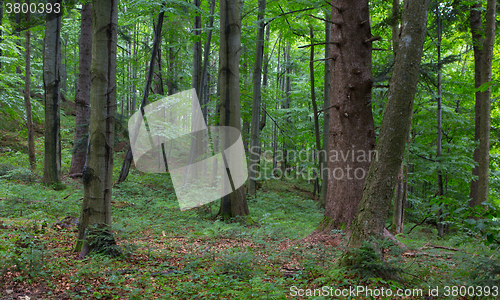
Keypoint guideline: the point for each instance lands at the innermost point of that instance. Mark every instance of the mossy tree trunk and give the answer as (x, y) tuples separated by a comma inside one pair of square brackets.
[(382, 176), (98, 171)]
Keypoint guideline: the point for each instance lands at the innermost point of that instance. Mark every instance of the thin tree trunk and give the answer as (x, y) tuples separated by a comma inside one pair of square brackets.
[(326, 114), (440, 224), (235, 203), (206, 56), (129, 156), (51, 82), (27, 100), (351, 120), (484, 144), (98, 171), (82, 97), (315, 109), (381, 180), (254, 155), (476, 28)]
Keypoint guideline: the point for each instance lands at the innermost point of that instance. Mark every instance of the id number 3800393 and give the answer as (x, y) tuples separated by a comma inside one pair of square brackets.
[(24, 8)]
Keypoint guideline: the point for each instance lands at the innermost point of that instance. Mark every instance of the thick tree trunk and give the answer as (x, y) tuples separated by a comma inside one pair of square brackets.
[(234, 204), (98, 171), (476, 28), (254, 156), (326, 114), (51, 81), (382, 176), (352, 134), (82, 97), (485, 116), (27, 99)]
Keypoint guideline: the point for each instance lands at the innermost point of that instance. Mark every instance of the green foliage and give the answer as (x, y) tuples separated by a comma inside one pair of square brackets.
[(101, 240)]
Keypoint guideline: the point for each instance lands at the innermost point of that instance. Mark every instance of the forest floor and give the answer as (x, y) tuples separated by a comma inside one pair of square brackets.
[(173, 254)]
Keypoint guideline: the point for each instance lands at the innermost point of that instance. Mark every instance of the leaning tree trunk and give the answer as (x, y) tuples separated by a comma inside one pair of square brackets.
[(1, 23), (27, 100), (382, 176), (98, 171), (254, 156), (485, 116), (234, 204), (51, 80), (82, 97), (352, 135), (156, 43), (476, 28)]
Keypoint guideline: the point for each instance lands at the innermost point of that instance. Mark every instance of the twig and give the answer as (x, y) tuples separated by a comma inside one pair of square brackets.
[(328, 21), (425, 219), (324, 43)]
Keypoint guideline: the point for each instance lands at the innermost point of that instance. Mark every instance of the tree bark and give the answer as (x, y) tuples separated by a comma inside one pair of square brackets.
[(476, 28), (382, 176), (82, 97), (351, 120), (51, 82), (98, 171), (395, 26), (235, 203), (254, 155), (485, 112), (27, 99)]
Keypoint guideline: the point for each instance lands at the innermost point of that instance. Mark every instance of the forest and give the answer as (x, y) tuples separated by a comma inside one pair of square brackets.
[(249, 149)]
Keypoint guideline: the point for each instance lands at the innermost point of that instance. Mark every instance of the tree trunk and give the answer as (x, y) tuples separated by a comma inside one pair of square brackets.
[(485, 116), (82, 97), (98, 171), (440, 224), (315, 111), (206, 56), (234, 204), (129, 156), (395, 26), (51, 81), (326, 114), (476, 28), (254, 155), (381, 180), (27, 100), (352, 132)]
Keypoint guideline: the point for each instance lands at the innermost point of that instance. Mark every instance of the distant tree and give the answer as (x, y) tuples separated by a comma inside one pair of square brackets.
[(254, 155), (51, 82), (27, 97), (98, 171), (82, 97), (382, 176), (234, 204)]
